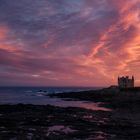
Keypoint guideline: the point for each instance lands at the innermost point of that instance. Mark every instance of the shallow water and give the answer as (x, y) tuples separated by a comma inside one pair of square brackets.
[(61, 128), (27, 96)]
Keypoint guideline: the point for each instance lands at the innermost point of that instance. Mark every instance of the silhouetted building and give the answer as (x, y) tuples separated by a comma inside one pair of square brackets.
[(126, 82)]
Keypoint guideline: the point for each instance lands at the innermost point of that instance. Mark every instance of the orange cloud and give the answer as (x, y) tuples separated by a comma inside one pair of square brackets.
[(113, 63), (9, 48)]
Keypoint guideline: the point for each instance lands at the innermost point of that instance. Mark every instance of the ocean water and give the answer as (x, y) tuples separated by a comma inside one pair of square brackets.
[(46, 90), (38, 96), (40, 91)]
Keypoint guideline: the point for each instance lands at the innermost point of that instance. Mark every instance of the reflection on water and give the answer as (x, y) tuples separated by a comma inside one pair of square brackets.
[(60, 128), (99, 135), (42, 99), (82, 104)]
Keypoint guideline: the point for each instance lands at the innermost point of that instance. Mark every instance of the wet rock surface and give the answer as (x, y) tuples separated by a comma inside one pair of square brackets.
[(124, 120), (31, 122), (39, 122)]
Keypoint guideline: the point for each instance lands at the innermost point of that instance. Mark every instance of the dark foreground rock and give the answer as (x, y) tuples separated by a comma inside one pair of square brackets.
[(125, 116), (34, 122), (38, 122)]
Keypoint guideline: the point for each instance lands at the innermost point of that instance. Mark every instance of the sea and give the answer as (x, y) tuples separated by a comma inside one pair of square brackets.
[(39, 96)]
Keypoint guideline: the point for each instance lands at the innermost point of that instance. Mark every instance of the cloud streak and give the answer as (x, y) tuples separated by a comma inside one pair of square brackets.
[(77, 42)]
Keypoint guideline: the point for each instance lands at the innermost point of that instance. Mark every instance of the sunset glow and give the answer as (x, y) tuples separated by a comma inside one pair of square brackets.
[(69, 42)]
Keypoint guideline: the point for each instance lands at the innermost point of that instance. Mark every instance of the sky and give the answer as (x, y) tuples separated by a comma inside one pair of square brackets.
[(69, 42)]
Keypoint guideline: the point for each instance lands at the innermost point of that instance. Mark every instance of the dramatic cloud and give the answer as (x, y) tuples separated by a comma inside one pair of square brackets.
[(69, 42)]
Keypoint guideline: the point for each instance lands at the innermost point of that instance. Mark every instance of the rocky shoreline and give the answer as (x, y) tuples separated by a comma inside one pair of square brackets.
[(33, 122)]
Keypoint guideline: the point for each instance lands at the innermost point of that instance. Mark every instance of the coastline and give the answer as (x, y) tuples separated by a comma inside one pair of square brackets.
[(36, 121)]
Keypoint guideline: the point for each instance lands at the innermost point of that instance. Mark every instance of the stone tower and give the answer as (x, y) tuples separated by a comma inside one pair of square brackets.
[(126, 82)]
